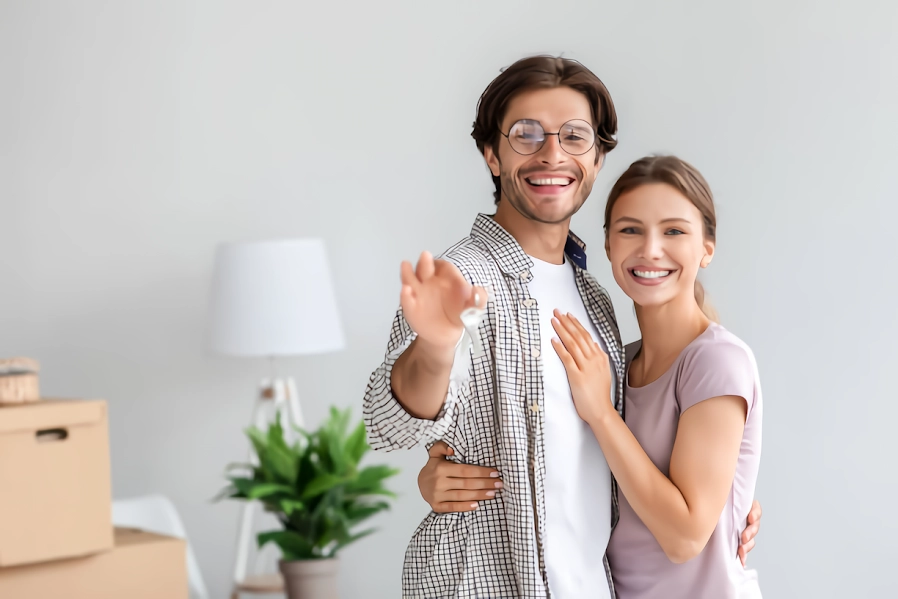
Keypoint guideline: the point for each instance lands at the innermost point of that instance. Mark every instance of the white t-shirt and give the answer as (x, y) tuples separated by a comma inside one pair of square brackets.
[(578, 481)]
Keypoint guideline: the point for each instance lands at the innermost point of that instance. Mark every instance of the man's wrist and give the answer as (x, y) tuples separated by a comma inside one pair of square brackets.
[(434, 357)]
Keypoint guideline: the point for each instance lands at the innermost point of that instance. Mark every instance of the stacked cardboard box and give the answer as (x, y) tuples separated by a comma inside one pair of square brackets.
[(56, 532)]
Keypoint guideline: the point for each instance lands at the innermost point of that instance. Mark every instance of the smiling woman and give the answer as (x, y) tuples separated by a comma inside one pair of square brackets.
[(661, 178)]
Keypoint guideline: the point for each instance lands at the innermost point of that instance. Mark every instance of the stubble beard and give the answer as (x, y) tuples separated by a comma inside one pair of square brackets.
[(516, 196)]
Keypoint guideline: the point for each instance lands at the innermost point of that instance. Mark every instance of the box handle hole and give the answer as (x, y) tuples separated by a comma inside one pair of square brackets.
[(52, 434)]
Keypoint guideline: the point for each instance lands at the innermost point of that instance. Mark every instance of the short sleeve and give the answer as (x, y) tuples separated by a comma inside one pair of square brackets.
[(716, 369)]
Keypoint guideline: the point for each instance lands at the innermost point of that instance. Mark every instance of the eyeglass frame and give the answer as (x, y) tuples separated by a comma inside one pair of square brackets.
[(596, 136)]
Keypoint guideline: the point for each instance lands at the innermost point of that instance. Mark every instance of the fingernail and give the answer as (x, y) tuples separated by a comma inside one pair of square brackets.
[(494, 475), (499, 485), (474, 506), (490, 493)]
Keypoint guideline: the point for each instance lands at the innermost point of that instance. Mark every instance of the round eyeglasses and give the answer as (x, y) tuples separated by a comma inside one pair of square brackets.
[(576, 137)]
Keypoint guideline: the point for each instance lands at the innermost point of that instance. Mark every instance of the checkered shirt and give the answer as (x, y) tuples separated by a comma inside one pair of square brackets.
[(494, 416)]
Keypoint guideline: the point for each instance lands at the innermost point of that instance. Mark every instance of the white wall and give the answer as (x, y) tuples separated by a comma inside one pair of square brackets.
[(136, 136)]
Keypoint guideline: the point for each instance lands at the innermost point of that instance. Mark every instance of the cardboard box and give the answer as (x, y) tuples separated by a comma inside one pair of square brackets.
[(55, 489), (142, 565)]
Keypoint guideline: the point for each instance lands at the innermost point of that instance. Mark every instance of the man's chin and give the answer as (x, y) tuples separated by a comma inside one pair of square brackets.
[(551, 213)]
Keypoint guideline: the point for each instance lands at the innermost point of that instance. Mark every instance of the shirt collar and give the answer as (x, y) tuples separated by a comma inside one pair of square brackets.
[(508, 253)]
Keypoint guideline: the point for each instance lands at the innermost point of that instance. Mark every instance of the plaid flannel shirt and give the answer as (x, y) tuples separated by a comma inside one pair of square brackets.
[(493, 416)]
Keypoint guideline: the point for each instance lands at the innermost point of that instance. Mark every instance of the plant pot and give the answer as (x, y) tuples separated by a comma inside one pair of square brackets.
[(311, 579)]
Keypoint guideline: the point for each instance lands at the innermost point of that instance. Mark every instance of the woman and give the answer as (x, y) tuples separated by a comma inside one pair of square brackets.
[(686, 461)]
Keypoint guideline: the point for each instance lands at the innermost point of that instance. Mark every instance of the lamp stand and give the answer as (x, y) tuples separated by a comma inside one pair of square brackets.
[(277, 395)]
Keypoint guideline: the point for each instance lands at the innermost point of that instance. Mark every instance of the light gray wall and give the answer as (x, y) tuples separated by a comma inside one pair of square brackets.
[(136, 136)]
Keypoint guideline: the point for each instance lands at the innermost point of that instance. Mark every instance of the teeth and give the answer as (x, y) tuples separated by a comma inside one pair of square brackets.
[(552, 181), (651, 274)]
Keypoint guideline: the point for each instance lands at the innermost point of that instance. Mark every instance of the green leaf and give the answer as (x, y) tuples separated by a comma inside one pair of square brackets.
[(351, 539), (260, 490), (281, 464), (357, 445), (292, 545), (243, 466), (358, 513), (288, 506), (258, 439), (243, 485), (371, 478), (322, 484)]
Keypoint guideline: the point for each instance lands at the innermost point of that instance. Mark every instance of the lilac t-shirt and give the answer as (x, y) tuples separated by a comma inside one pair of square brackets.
[(716, 363)]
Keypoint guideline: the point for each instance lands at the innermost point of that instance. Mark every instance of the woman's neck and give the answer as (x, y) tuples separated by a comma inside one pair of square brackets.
[(666, 330)]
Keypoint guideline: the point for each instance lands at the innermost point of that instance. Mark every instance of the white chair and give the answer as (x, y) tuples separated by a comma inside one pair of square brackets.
[(156, 513)]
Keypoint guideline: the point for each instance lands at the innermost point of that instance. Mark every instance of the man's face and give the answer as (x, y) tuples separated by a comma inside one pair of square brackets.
[(550, 185)]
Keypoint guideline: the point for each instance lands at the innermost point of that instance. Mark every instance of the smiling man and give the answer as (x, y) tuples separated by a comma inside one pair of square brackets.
[(470, 360)]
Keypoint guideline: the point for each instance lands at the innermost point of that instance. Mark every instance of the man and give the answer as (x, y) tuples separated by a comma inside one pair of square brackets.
[(470, 360)]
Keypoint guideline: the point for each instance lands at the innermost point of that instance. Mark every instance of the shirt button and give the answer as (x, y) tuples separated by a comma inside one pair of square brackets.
[(524, 275), (529, 302), (534, 407), (534, 352)]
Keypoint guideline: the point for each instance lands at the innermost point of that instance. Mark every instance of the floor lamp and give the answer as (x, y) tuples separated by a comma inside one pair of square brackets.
[(271, 299)]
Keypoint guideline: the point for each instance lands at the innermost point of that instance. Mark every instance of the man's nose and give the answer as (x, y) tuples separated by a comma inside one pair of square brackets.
[(552, 152)]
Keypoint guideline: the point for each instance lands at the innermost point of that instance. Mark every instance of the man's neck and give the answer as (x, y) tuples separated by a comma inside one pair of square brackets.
[(540, 240)]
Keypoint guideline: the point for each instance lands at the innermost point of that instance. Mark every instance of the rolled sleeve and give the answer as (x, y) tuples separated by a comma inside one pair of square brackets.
[(389, 425)]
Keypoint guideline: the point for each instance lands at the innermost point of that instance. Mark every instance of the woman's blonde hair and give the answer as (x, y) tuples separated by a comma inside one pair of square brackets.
[(686, 179)]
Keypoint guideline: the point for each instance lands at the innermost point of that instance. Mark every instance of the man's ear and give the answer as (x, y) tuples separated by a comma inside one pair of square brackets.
[(492, 161), (600, 162)]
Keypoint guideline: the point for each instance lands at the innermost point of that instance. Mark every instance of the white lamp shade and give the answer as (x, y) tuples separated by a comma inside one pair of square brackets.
[(273, 298)]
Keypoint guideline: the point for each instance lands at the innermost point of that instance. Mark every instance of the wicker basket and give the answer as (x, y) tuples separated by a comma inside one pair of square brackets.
[(19, 381)]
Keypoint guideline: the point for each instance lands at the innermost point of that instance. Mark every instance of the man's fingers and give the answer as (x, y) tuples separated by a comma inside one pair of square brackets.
[(450, 506), (407, 297), (425, 268), (407, 274)]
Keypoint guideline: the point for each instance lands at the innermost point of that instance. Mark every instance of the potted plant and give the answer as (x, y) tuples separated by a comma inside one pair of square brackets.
[(317, 491)]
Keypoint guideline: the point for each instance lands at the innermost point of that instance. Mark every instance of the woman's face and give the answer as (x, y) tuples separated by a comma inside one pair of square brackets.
[(656, 244)]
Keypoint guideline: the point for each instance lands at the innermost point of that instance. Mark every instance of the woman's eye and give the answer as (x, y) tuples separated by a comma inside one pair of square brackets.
[(675, 232), (628, 231)]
